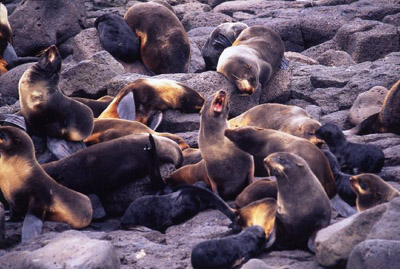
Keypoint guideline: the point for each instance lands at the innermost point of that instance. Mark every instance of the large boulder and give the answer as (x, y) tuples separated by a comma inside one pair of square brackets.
[(86, 44), (388, 226), (197, 19), (9, 83), (334, 243), (39, 24), (88, 77)]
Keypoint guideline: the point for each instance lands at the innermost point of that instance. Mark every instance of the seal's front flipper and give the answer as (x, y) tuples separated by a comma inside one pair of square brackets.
[(31, 227), (284, 64), (9, 54), (154, 166), (126, 107), (13, 120), (155, 120), (343, 208), (61, 148)]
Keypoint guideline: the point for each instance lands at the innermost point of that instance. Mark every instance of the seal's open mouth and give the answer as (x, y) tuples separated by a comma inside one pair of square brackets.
[(219, 104)]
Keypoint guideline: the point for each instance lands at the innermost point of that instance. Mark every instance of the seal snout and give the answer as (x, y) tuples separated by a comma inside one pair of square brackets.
[(219, 102), (245, 86)]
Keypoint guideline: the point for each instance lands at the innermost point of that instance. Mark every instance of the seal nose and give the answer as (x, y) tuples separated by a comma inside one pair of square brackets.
[(222, 92)]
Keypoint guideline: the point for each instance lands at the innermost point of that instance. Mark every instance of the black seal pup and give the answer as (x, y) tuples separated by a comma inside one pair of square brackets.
[(352, 157)]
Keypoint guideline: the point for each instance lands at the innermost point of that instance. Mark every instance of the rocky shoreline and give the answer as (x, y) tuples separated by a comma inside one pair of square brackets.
[(337, 49)]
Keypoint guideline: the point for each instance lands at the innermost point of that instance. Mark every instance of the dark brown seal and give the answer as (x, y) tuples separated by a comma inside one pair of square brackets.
[(45, 108), (261, 142), (253, 58), (29, 190), (164, 45), (371, 190)]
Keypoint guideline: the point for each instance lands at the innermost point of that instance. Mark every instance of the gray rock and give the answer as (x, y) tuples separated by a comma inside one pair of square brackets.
[(277, 89), (392, 156), (9, 83), (335, 58), (334, 243), (72, 249), (199, 35), (10, 109), (114, 85), (392, 19), (367, 40), (295, 259), (390, 173), (193, 20), (88, 77), (214, 3), (138, 67), (383, 141), (388, 226), (371, 254), (182, 9), (87, 43), (256, 264), (367, 103), (109, 3), (175, 121), (2, 225), (38, 24), (340, 118), (316, 51), (197, 63), (299, 58), (191, 138)]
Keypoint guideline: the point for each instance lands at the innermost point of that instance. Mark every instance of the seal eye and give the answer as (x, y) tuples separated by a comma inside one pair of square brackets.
[(363, 185)]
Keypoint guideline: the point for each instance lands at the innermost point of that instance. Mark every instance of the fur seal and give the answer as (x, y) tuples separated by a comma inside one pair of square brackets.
[(28, 189), (303, 207), (46, 110), (164, 45), (371, 190), (220, 38), (189, 174), (108, 165), (229, 169), (97, 106), (352, 157), (152, 95), (6, 32), (262, 142), (262, 188), (253, 58), (117, 37), (230, 251), (191, 156), (289, 119), (109, 129), (387, 120)]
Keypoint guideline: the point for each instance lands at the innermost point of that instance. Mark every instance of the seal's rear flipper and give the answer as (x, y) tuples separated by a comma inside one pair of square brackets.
[(98, 209), (284, 64), (31, 227), (61, 148), (343, 208), (126, 107), (155, 120), (13, 120), (154, 166)]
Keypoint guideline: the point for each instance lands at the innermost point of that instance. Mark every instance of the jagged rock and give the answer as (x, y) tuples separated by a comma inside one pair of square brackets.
[(88, 77), (371, 254), (87, 43), (339, 118), (392, 156), (109, 3), (390, 173), (316, 51), (9, 83), (38, 24), (191, 138), (367, 103), (334, 243), (299, 58), (296, 259), (277, 89), (335, 58), (392, 19), (256, 264), (175, 121), (197, 63), (367, 40), (383, 141), (114, 85), (388, 227), (199, 35), (72, 249), (197, 19), (182, 9)]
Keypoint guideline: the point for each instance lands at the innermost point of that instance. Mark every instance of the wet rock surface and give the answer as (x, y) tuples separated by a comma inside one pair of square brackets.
[(338, 50)]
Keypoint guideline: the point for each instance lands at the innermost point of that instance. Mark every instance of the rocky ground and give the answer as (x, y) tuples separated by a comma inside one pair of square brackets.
[(337, 50)]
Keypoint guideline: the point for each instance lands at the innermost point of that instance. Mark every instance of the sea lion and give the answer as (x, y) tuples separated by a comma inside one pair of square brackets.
[(152, 95), (117, 37), (289, 119), (45, 108), (109, 129), (262, 188), (6, 32), (220, 38), (191, 156), (229, 168), (97, 106), (164, 45), (387, 120), (303, 206), (371, 190), (261, 142), (253, 58), (108, 165), (352, 157), (28, 189), (189, 174), (230, 251)]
